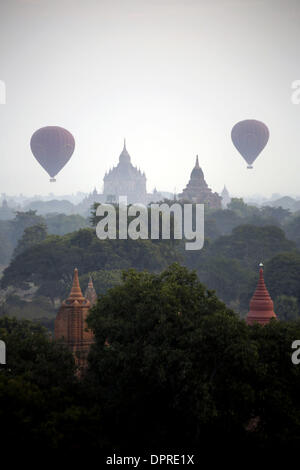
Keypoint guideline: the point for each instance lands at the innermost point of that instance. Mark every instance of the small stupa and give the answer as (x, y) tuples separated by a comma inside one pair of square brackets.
[(261, 304)]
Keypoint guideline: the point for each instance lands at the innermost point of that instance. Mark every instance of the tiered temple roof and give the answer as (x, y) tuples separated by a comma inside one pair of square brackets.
[(198, 191), (70, 323), (261, 304)]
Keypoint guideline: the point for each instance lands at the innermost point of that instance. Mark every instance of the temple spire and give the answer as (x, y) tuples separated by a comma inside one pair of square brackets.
[(124, 156), (75, 290), (90, 293), (71, 327), (197, 162), (261, 304)]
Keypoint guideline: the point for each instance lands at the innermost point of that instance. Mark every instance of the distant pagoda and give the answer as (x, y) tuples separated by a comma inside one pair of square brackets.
[(226, 199), (70, 324), (90, 293), (261, 304), (198, 191)]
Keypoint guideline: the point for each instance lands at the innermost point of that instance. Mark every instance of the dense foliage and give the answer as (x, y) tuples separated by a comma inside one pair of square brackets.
[(237, 239), (172, 370)]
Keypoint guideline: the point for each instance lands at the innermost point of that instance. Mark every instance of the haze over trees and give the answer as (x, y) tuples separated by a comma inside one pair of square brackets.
[(237, 239)]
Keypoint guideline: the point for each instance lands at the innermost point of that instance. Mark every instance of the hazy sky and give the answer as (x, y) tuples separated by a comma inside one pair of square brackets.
[(172, 76)]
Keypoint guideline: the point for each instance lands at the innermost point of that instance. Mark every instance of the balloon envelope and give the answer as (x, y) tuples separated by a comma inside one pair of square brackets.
[(250, 138), (53, 147)]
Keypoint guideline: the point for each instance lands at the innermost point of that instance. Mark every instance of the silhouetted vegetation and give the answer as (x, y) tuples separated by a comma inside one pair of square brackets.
[(172, 368)]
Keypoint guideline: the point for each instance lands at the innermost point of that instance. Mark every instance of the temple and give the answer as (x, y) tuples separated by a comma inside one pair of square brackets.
[(70, 324), (226, 199), (90, 293), (197, 190), (122, 180), (125, 180), (261, 304)]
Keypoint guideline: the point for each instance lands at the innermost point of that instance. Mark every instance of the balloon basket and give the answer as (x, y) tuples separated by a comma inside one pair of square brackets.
[(249, 167), (52, 180)]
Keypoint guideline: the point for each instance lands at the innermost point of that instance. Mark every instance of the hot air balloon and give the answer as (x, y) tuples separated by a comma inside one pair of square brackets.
[(53, 147), (250, 137)]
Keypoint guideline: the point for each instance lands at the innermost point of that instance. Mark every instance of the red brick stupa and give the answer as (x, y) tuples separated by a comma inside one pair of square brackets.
[(261, 304), (70, 324)]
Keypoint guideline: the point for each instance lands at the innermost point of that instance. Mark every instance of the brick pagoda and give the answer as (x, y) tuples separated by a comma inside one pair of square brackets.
[(261, 304), (70, 324)]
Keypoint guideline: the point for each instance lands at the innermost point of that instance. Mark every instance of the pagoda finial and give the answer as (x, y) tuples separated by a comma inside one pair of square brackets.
[(75, 291), (197, 162), (90, 293), (124, 148), (90, 284)]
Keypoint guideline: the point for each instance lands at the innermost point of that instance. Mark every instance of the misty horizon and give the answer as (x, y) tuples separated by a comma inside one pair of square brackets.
[(172, 77)]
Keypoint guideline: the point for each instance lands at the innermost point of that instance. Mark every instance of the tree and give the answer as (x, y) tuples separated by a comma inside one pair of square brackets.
[(277, 385), (60, 224), (172, 366), (30, 353), (286, 308), (31, 236), (49, 265), (225, 220), (292, 230), (41, 401), (22, 221), (172, 345), (6, 249), (229, 278), (282, 274), (278, 214), (241, 208), (102, 279), (252, 244)]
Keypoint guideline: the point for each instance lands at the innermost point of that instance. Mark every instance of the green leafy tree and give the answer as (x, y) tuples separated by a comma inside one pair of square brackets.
[(32, 354), (22, 221), (277, 385), (102, 279), (31, 236), (60, 224), (6, 249), (172, 366), (286, 308), (282, 274), (252, 244), (50, 264), (229, 278), (225, 220), (170, 343), (41, 401), (292, 230), (277, 214), (241, 208)]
